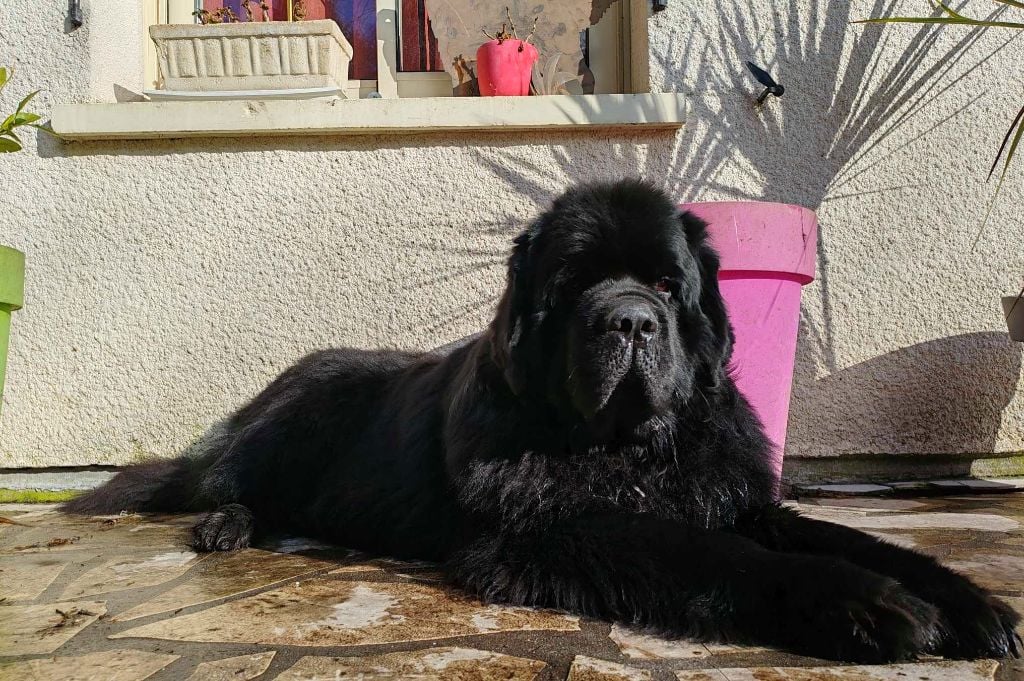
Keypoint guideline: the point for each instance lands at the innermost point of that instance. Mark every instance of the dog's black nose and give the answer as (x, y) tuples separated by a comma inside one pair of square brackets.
[(634, 320)]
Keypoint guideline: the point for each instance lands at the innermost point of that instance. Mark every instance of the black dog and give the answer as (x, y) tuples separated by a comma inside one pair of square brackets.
[(587, 452)]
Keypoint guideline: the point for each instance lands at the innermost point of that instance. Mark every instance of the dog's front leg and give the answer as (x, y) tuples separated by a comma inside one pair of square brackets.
[(667, 578), (974, 623)]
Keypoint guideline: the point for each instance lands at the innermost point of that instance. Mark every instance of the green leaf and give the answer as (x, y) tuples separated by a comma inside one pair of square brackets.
[(942, 20), (1013, 145), (24, 118), (1006, 139), (8, 123), (8, 145), (1018, 123), (4, 76), (28, 98)]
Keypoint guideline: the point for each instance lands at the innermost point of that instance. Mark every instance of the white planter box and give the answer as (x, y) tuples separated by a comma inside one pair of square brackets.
[(271, 55)]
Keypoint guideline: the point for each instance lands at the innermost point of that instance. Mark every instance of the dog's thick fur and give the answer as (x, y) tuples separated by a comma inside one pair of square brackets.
[(588, 452)]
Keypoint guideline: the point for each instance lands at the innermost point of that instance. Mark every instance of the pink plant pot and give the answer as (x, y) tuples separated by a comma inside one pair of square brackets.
[(768, 252), (504, 69)]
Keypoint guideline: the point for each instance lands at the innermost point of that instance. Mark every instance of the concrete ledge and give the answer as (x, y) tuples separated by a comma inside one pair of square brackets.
[(148, 120), (882, 468)]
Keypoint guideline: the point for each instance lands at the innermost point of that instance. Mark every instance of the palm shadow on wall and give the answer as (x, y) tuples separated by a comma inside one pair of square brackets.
[(807, 148), (843, 115)]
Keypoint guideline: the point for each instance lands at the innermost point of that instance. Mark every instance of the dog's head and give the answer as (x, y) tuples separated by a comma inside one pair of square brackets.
[(612, 314)]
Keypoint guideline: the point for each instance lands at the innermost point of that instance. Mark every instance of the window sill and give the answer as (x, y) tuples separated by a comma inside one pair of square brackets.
[(175, 119)]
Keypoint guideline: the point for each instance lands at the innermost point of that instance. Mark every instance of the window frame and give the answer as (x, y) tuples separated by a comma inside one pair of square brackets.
[(621, 70)]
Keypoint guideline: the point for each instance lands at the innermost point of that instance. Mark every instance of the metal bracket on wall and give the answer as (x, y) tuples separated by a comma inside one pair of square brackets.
[(659, 5), (75, 13)]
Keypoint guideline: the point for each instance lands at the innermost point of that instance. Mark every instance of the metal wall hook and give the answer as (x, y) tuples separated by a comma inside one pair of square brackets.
[(765, 78)]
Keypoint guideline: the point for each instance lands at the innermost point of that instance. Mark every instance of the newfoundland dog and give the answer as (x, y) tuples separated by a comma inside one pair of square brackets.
[(587, 452)]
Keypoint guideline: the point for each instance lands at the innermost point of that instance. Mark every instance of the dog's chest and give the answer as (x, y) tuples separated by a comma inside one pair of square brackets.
[(537, 488)]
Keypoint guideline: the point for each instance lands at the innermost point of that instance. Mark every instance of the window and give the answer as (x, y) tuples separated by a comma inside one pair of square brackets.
[(396, 53)]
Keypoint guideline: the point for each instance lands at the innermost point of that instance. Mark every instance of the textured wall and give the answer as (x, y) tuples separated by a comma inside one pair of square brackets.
[(169, 280)]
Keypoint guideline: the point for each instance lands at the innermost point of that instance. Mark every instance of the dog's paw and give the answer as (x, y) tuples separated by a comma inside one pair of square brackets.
[(226, 529), (975, 624), (890, 625), (858, 616)]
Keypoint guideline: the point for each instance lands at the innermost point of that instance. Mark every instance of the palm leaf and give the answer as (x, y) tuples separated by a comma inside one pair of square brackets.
[(963, 21), (1017, 130), (8, 145), (995, 162)]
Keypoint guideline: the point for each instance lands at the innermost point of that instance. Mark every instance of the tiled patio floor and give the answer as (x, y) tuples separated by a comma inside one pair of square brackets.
[(123, 599)]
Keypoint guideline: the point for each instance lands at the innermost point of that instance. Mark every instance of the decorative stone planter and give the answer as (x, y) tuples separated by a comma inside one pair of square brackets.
[(767, 254), (1013, 310), (12, 289), (252, 55)]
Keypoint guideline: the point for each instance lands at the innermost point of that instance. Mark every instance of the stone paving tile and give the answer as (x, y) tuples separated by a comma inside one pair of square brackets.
[(845, 489), (241, 668), (992, 570), (53, 532), (906, 541), (914, 521), (132, 573), (938, 486), (10, 510), (39, 629), (372, 611), (25, 577), (644, 647), (980, 484), (592, 669), (640, 646), (341, 613), (983, 670), (443, 664), (228, 575), (112, 665), (869, 504)]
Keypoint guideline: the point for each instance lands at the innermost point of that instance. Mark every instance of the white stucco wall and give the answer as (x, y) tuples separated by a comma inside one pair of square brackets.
[(167, 281)]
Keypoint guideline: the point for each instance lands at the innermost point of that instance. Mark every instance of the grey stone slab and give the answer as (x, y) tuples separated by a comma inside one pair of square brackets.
[(846, 489), (55, 480), (980, 670)]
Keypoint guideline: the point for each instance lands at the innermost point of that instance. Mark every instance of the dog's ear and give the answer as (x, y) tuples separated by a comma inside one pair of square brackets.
[(718, 348), (513, 315)]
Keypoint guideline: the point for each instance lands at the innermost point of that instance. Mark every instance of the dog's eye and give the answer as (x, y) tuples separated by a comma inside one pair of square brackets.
[(664, 286)]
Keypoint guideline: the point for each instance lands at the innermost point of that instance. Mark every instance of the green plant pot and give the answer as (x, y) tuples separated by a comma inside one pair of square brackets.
[(12, 294)]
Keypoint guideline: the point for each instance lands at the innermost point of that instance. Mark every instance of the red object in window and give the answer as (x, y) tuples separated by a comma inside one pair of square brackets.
[(504, 67), (419, 46)]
